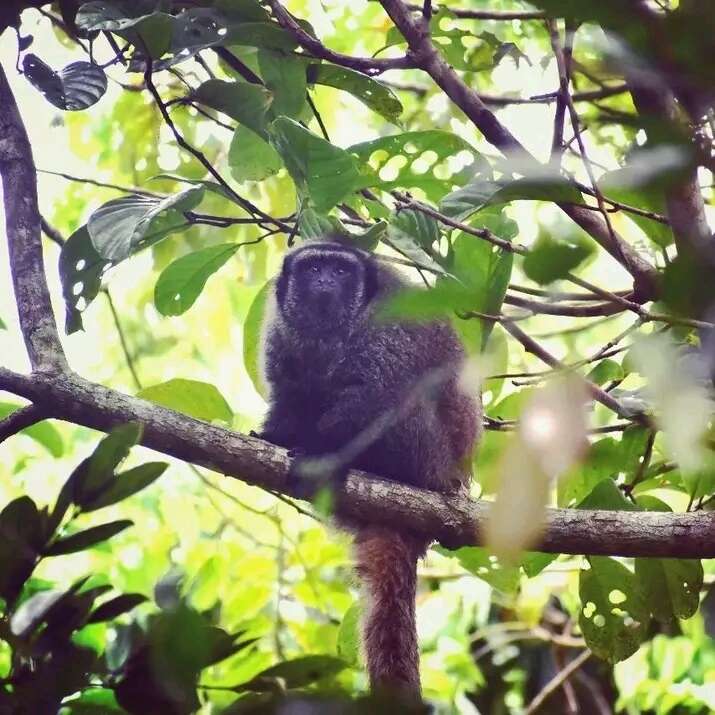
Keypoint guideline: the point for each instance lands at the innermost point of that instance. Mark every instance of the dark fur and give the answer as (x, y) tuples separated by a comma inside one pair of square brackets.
[(333, 370)]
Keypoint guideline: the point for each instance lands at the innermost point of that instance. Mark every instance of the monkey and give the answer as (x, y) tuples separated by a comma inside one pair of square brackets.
[(333, 368)]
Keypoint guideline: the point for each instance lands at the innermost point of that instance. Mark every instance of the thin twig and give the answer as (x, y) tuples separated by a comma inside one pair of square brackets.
[(556, 682), (21, 419)]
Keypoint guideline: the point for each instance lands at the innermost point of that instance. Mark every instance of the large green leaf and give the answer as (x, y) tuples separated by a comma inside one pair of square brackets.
[(181, 282), (122, 226), (324, 173), (614, 619), (284, 75), (434, 161), (192, 397), (250, 157), (550, 259), (252, 329), (482, 191), (373, 94), (81, 269), (481, 563), (244, 102)]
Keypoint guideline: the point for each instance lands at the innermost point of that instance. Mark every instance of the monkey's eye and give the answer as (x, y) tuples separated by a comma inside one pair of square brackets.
[(340, 271), (314, 269)]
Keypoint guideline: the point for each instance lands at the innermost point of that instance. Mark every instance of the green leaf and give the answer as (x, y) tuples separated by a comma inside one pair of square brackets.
[(413, 233), (76, 87), (670, 587), (602, 461), (3, 325), (482, 191), (434, 161), (86, 539), (348, 646), (44, 433), (614, 619), (126, 484), (125, 225), (373, 94), (252, 330), (81, 269), (326, 173), (200, 400), (606, 371), (114, 607), (486, 566), (284, 75), (315, 226), (108, 454), (181, 282), (550, 260), (246, 103), (607, 495), (534, 562), (21, 537), (484, 270), (616, 185), (250, 157), (300, 672)]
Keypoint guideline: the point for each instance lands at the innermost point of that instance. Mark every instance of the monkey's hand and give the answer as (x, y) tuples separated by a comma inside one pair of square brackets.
[(309, 475)]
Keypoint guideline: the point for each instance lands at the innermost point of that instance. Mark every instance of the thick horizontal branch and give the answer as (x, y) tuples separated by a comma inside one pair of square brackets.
[(453, 520)]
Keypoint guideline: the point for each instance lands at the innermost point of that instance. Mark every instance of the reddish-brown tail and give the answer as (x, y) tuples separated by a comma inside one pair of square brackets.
[(387, 566)]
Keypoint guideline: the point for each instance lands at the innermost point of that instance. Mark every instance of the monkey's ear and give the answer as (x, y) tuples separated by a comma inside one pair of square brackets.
[(283, 278)]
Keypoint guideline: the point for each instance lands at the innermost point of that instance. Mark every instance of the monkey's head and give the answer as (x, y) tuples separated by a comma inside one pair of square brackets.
[(325, 286)]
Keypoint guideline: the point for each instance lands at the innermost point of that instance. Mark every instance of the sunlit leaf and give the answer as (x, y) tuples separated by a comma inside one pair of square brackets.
[(325, 173), (284, 75), (373, 94), (252, 329), (192, 397), (433, 161), (181, 282), (251, 157), (613, 617), (246, 103)]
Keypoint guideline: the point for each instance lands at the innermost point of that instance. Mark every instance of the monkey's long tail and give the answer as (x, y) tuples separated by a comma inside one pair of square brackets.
[(387, 566)]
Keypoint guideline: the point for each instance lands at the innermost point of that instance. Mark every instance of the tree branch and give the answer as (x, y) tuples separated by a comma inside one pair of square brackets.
[(453, 520), (20, 419), (22, 224), (426, 57), (368, 65)]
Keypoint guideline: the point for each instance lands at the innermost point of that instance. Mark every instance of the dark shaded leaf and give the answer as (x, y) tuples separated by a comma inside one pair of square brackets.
[(114, 607), (86, 539), (76, 87), (126, 484)]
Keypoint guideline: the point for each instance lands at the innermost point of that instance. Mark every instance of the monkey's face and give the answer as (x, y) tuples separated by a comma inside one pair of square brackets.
[(323, 289)]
